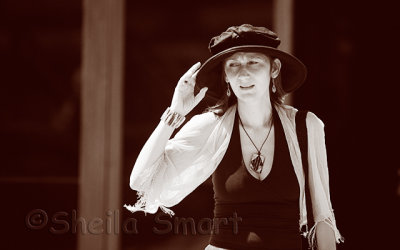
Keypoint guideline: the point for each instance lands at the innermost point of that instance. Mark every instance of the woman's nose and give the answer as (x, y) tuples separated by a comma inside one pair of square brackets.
[(243, 71)]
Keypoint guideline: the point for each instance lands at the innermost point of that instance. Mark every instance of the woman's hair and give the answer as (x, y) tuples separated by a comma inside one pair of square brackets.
[(226, 101)]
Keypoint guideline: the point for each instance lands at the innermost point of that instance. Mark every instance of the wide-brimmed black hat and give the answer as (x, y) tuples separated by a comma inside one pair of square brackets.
[(247, 38)]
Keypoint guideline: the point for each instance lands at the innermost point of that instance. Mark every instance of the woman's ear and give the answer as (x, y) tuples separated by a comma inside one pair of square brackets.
[(225, 77), (276, 67)]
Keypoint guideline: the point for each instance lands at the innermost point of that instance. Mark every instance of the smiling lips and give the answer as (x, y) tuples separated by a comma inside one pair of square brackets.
[(248, 87)]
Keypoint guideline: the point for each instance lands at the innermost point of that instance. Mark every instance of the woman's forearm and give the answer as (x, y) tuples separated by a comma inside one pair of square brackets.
[(152, 149), (325, 237), (182, 103)]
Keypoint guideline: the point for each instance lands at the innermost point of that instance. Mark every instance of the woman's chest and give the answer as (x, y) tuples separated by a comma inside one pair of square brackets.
[(233, 179), (258, 153)]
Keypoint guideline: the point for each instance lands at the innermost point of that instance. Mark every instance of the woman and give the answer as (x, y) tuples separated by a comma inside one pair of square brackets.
[(247, 142)]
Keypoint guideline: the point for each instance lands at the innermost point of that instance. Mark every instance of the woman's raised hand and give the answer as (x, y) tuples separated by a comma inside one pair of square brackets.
[(184, 100)]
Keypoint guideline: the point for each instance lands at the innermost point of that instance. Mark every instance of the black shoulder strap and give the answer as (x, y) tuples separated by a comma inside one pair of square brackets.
[(301, 130)]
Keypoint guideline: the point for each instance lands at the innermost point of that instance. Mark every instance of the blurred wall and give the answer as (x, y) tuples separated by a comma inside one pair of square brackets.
[(351, 51), (39, 112)]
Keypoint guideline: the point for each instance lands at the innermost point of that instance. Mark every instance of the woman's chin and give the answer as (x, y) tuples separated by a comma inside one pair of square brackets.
[(251, 97), (248, 97)]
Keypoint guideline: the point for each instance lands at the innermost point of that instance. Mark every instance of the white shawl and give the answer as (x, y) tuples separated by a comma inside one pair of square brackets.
[(198, 148)]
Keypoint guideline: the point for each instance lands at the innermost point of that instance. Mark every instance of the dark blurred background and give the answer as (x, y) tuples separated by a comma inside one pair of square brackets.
[(351, 52)]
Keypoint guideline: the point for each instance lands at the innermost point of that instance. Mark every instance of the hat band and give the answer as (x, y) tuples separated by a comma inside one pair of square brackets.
[(243, 41)]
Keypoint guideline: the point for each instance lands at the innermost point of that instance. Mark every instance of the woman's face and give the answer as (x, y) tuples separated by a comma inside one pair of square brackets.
[(249, 74)]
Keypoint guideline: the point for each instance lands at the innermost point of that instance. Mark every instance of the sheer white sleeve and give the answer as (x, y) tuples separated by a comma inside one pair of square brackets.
[(319, 178), (188, 160)]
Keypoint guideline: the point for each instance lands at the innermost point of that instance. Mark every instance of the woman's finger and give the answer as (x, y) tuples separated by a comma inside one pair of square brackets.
[(192, 69), (195, 74)]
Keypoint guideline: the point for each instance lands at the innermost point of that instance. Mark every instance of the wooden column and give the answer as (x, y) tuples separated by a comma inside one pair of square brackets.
[(283, 26), (101, 123)]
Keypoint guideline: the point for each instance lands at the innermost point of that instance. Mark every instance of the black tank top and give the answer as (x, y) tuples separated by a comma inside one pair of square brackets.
[(268, 209)]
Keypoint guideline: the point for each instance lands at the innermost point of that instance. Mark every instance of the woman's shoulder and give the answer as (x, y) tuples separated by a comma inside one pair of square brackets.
[(288, 110), (207, 121), (199, 123), (204, 119), (209, 117), (312, 119)]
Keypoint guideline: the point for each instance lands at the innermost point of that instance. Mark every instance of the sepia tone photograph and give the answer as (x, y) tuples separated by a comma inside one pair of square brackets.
[(210, 125)]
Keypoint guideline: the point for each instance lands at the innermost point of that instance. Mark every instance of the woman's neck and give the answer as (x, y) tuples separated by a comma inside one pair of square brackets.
[(255, 115)]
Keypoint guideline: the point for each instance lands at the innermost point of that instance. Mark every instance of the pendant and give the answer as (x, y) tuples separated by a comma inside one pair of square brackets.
[(257, 163)]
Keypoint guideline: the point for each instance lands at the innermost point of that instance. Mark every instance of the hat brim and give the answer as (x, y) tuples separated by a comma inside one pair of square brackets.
[(293, 71)]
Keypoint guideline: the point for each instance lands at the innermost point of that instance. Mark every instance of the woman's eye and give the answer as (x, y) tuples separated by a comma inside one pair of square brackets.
[(253, 62), (233, 64)]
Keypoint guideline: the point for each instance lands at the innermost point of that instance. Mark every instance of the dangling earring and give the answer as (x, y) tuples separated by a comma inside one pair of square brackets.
[(228, 91), (273, 85)]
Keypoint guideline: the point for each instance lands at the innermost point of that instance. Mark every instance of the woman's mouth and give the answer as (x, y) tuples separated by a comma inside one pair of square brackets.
[(247, 87)]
